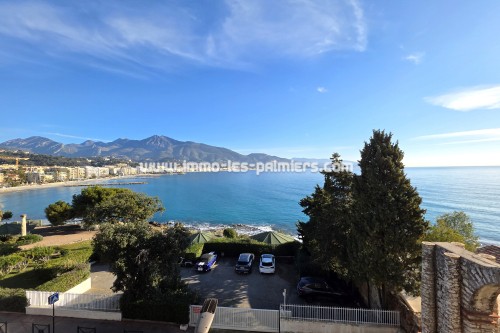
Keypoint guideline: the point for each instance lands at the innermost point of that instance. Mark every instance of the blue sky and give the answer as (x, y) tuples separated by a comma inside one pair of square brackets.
[(288, 78)]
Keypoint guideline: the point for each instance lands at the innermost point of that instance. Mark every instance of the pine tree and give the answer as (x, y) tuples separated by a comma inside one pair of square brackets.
[(329, 208)]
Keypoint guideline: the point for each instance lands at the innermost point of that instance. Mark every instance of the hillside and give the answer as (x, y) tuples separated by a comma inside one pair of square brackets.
[(155, 148)]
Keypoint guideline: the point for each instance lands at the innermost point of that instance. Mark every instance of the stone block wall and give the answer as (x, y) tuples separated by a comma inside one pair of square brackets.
[(459, 290)]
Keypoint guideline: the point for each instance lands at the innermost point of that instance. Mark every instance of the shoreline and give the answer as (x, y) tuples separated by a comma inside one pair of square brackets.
[(71, 183)]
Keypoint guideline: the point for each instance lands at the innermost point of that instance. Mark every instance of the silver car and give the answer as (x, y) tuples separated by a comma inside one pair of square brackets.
[(267, 264)]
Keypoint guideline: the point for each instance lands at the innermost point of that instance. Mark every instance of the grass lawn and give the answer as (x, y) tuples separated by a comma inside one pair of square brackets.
[(29, 279)]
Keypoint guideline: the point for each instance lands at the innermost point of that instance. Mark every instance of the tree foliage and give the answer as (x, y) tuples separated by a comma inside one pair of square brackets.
[(5, 215), (96, 204), (59, 212), (230, 233), (454, 227), (329, 210), (144, 260), (388, 219), (367, 227), (110, 205)]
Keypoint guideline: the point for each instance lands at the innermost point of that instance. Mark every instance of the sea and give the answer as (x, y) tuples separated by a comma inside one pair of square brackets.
[(271, 200)]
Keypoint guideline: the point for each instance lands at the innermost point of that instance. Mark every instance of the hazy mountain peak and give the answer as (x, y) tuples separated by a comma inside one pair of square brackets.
[(154, 148)]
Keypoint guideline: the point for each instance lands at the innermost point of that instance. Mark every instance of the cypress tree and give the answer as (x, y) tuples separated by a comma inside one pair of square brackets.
[(388, 222)]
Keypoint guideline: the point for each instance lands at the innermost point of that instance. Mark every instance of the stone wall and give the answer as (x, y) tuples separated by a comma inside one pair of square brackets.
[(459, 290)]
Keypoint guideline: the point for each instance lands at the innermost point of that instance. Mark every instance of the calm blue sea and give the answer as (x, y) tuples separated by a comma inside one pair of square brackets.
[(271, 199)]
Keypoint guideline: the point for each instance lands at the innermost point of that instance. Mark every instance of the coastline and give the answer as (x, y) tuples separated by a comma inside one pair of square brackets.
[(67, 183)]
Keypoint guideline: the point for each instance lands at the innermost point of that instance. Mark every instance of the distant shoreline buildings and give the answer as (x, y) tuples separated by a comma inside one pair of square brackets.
[(12, 175)]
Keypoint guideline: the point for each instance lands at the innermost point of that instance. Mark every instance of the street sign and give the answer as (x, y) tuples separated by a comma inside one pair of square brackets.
[(53, 298)]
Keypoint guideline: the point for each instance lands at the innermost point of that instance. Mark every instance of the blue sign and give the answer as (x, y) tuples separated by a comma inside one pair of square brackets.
[(53, 298)]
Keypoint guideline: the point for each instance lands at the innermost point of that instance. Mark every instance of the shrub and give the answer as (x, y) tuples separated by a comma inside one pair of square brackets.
[(13, 300), (8, 248), (67, 280), (28, 239), (9, 263), (40, 254), (230, 233), (78, 252), (6, 237)]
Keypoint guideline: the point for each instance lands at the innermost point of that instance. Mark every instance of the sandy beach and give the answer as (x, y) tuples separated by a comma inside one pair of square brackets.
[(68, 183)]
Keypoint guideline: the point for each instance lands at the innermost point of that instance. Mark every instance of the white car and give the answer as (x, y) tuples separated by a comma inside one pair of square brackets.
[(267, 264)]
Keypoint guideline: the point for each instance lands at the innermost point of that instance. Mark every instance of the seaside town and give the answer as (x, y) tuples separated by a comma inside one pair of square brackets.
[(44, 175), (226, 166), (15, 174)]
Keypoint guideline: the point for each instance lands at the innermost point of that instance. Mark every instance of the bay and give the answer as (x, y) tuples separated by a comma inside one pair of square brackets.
[(271, 199)]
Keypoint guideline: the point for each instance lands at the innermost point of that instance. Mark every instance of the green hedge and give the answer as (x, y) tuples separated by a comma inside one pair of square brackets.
[(193, 251), (232, 247), (77, 255), (8, 248), (13, 300), (67, 280), (174, 308)]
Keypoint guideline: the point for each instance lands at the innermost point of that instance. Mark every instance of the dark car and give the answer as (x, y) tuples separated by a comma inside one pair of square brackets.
[(312, 288), (206, 262), (244, 263)]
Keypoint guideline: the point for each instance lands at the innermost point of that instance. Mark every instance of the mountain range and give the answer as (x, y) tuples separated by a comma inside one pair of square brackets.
[(156, 148)]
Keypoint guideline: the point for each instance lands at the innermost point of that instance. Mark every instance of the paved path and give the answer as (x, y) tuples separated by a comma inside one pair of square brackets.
[(61, 235), (102, 279), (22, 323)]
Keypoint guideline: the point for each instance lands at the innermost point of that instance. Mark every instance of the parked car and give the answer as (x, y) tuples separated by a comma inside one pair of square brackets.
[(267, 264), (206, 262), (244, 263), (311, 288)]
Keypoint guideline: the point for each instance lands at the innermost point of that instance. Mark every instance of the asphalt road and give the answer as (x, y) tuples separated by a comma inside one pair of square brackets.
[(255, 290)]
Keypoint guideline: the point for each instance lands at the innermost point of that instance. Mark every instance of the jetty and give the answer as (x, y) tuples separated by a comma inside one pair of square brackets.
[(106, 184)]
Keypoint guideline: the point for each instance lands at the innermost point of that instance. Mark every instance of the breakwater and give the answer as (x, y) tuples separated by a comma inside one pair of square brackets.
[(106, 184)]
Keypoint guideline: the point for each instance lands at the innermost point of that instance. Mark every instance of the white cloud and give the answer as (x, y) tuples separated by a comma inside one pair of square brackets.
[(469, 99), (321, 90), (415, 58), (159, 35), (464, 137)]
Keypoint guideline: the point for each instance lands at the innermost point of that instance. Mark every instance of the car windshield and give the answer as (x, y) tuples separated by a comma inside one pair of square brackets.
[(267, 263), (241, 262), (206, 257)]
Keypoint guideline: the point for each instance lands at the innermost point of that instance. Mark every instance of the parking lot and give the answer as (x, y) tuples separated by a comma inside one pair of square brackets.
[(260, 291)]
